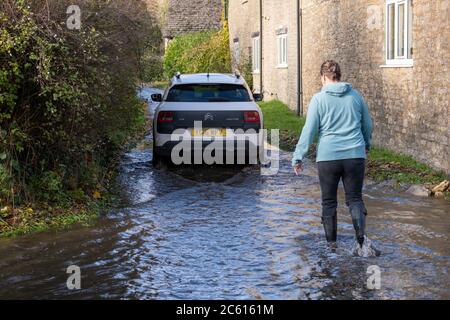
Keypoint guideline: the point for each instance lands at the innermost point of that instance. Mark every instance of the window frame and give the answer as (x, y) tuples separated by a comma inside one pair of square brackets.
[(398, 60), (256, 54), (282, 50)]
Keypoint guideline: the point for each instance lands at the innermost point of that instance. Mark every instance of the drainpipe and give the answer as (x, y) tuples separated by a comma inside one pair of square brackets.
[(261, 47), (299, 59)]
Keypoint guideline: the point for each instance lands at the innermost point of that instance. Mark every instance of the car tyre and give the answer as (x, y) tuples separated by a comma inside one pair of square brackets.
[(157, 160)]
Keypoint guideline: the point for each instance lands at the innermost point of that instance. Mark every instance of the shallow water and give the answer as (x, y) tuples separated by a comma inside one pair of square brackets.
[(230, 233)]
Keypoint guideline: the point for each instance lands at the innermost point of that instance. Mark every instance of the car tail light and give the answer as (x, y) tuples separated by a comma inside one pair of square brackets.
[(251, 116), (165, 116)]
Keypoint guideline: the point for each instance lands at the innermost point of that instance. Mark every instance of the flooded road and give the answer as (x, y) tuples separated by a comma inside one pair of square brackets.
[(231, 233)]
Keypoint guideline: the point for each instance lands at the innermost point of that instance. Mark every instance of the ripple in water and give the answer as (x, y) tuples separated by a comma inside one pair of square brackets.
[(230, 233)]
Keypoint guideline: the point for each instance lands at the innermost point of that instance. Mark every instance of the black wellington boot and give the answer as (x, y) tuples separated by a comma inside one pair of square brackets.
[(358, 213), (330, 227)]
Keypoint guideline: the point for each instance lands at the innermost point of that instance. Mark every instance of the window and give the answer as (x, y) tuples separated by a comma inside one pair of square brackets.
[(282, 50), (399, 49), (208, 93), (256, 54)]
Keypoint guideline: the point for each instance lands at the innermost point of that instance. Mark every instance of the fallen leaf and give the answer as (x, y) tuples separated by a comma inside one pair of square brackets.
[(442, 187)]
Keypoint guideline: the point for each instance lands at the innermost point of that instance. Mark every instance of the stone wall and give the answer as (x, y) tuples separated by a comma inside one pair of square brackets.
[(280, 82), (192, 16), (410, 106), (243, 21)]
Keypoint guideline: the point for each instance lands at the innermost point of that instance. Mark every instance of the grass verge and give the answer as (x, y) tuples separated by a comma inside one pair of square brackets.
[(277, 115), (38, 218), (71, 207), (74, 208), (382, 164), (386, 165)]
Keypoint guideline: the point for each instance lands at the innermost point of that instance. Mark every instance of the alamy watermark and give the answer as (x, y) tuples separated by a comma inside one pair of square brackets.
[(374, 279), (74, 20), (74, 280)]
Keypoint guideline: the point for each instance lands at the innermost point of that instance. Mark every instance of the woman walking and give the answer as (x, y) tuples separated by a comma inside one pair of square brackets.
[(340, 117)]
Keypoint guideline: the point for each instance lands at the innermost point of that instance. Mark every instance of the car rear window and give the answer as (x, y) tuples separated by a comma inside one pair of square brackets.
[(208, 93)]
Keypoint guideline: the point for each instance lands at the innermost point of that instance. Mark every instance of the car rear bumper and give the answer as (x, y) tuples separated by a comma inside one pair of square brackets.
[(232, 136), (220, 152), (225, 146)]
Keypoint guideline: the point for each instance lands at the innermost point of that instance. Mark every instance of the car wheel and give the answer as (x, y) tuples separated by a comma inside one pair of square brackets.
[(157, 159)]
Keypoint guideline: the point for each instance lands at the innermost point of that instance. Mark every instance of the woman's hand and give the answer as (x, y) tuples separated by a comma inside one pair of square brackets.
[(298, 168)]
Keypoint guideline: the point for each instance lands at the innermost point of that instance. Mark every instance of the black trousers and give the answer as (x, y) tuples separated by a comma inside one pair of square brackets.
[(351, 171)]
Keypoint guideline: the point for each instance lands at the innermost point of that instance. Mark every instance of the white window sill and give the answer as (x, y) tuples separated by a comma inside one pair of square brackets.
[(398, 64), (282, 66)]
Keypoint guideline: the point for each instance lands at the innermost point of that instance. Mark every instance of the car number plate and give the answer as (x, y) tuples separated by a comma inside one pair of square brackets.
[(208, 132)]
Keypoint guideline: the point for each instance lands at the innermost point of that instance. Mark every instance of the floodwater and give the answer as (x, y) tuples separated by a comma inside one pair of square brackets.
[(232, 233)]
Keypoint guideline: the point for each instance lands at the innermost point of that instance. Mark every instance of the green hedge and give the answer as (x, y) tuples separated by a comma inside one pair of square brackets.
[(198, 52), (67, 97)]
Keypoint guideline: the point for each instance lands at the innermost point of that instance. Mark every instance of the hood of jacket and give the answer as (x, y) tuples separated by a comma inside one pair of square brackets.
[(337, 89)]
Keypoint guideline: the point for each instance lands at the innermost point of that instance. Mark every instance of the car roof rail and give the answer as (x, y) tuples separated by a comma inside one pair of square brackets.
[(178, 75), (237, 74)]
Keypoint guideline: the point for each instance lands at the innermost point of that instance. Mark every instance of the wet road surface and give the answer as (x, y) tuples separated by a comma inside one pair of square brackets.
[(231, 233), (212, 233)]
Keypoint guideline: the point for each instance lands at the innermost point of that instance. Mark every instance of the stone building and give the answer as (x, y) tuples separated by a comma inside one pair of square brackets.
[(274, 66), (183, 16), (395, 52)]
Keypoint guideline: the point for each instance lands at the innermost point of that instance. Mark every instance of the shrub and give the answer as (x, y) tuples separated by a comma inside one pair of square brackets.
[(175, 55), (152, 67), (4, 185), (151, 62), (48, 186), (199, 52), (246, 69), (67, 97)]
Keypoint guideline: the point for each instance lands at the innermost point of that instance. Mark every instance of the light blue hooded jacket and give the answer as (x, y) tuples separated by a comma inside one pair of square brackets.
[(341, 118)]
